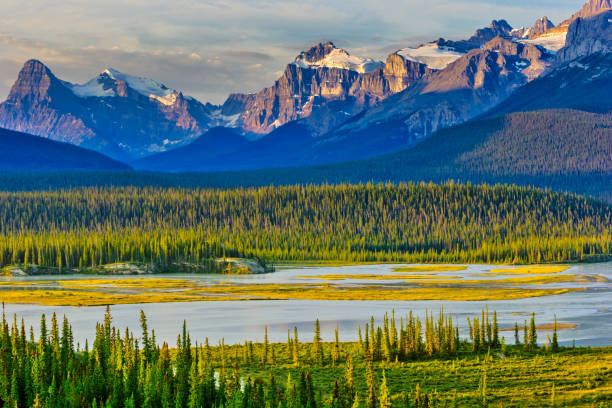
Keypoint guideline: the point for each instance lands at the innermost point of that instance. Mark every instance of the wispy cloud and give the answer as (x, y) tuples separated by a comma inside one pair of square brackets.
[(209, 48)]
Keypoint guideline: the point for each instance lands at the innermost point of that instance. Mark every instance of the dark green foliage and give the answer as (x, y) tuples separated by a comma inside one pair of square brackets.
[(116, 372), (412, 223)]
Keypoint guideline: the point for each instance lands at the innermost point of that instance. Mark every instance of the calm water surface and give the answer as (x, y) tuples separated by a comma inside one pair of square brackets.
[(237, 321)]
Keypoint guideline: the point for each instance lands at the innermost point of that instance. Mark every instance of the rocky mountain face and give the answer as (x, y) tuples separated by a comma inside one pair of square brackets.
[(497, 28), (324, 86), (119, 115), (587, 36), (541, 26), (590, 9), (466, 88)]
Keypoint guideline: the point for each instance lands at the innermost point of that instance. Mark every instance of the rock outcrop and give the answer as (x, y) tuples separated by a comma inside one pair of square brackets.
[(587, 36), (590, 9), (541, 26), (497, 28)]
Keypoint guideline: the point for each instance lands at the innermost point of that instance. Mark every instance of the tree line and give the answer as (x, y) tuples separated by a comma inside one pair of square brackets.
[(402, 223)]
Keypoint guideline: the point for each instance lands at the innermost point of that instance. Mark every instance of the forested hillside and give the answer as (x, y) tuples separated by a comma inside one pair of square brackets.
[(564, 150), (408, 223), (20, 152)]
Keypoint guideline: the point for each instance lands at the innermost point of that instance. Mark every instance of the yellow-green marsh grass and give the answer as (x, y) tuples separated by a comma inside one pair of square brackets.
[(528, 270), (430, 268), (376, 277), (523, 280), (130, 291)]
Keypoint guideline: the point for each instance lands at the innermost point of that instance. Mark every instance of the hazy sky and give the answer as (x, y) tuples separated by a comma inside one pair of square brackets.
[(210, 48)]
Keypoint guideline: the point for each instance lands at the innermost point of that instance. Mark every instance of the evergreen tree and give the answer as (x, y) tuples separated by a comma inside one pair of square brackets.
[(385, 399), (517, 340), (555, 340), (533, 336), (316, 343)]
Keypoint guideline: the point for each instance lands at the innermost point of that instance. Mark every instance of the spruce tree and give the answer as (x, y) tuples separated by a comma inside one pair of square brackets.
[(316, 343), (385, 399), (264, 357), (336, 348), (517, 340), (371, 402), (495, 330), (296, 347), (555, 340), (525, 336), (533, 335)]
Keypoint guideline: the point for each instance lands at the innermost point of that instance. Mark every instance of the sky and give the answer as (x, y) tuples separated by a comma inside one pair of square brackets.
[(211, 48)]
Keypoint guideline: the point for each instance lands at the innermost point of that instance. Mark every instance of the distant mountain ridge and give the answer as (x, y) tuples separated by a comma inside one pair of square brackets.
[(467, 87), (117, 114), (328, 105)]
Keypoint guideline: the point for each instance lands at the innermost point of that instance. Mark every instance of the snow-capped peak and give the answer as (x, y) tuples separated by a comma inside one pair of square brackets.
[(433, 55), (145, 86), (99, 87), (338, 58)]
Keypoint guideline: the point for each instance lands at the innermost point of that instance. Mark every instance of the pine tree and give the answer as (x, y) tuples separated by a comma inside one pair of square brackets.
[(385, 399), (336, 348), (533, 336), (517, 340), (555, 340), (525, 337), (264, 358), (477, 337), (495, 330), (350, 377), (316, 343), (372, 400), (296, 347)]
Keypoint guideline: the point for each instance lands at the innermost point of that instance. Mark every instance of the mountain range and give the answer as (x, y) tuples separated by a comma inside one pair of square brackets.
[(445, 109)]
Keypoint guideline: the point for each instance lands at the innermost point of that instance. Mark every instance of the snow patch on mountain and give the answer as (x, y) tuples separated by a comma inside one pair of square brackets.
[(93, 88), (432, 55), (231, 121), (553, 41), (144, 86), (339, 58)]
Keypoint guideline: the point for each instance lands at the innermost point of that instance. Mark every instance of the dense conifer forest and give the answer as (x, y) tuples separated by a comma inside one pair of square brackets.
[(407, 223), (405, 362)]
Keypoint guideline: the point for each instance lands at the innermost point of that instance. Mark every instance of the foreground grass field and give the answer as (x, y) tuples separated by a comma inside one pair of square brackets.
[(580, 377)]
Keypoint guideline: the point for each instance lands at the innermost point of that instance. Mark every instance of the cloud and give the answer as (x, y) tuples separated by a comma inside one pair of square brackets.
[(210, 48)]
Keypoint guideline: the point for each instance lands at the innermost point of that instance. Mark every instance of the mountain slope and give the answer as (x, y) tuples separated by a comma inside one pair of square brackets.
[(582, 84), (20, 152), (559, 149), (120, 115)]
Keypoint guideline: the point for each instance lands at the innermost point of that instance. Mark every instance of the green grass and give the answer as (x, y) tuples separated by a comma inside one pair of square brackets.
[(582, 377)]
